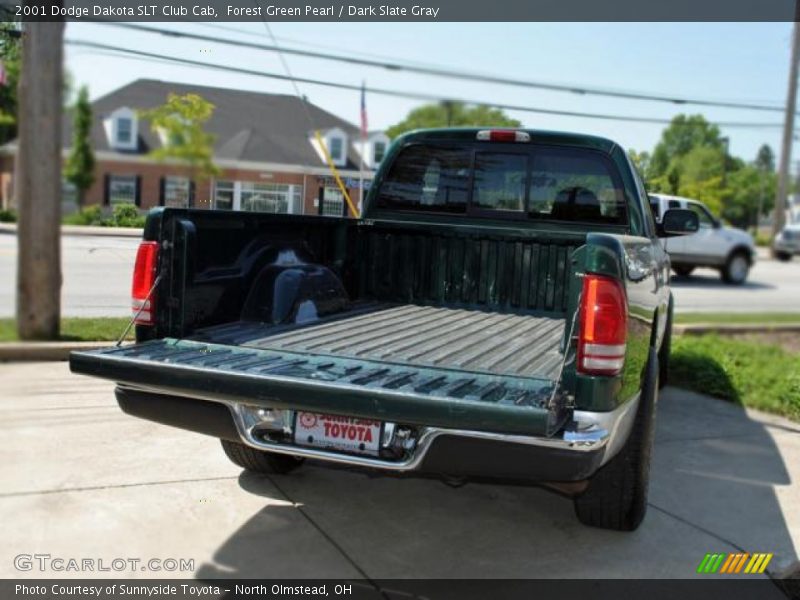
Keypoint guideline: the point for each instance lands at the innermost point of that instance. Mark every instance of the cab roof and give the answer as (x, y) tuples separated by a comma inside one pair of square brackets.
[(463, 134)]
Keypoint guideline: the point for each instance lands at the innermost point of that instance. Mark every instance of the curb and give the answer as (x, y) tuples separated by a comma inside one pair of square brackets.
[(722, 329), (44, 351), (133, 232)]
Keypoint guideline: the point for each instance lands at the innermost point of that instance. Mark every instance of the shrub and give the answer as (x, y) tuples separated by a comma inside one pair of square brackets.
[(8, 216), (124, 215), (88, 215), (763, 239), (127, 215)]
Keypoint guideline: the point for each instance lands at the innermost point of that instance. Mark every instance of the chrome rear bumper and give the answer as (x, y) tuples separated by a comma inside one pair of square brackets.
[(601, 434)]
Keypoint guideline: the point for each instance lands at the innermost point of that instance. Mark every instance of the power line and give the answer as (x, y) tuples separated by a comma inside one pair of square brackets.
[(307, 44), (399, 93), (451, 73)]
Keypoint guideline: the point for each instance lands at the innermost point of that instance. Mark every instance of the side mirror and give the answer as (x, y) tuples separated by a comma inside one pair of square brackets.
[(678, 221)]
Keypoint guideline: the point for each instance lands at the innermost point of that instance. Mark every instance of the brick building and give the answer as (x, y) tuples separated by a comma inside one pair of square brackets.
[(264, 147)]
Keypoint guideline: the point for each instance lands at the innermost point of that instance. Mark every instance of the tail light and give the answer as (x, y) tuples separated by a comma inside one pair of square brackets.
[(144, 276), (502, 135), (603, 326)]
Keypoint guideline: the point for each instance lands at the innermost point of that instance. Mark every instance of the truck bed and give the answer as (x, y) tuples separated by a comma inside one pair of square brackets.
[(468, 340), (467, 381)]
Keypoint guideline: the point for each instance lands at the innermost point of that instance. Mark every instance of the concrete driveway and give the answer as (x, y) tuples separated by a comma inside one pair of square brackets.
[(80, 479)]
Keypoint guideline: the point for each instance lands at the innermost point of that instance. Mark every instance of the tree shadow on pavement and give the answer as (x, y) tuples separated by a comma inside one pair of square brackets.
[(714, 477)]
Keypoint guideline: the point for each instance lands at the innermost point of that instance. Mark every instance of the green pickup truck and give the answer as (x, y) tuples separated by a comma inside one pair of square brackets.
[(501, 309)]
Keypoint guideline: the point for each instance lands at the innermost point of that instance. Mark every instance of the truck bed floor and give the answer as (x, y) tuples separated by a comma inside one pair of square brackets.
[(489, 342)]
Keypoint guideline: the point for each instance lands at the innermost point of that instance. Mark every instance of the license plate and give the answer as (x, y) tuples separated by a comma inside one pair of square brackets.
[(334, 432)]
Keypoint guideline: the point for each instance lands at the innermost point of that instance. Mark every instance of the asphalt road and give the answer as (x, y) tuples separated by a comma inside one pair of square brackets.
[(97, 273), (81, 479), (772, 286)]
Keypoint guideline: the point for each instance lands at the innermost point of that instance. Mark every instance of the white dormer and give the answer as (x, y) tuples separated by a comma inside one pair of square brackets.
[(375, 148), (122, 129), (336, 142)]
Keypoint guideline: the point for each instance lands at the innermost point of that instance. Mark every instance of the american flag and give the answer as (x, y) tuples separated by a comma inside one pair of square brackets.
[(363, 111)]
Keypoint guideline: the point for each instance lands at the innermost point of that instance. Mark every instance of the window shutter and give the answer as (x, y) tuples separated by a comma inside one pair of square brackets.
[(138, 196), (320, 200), (161, 190), (106, 189), (191, 194)]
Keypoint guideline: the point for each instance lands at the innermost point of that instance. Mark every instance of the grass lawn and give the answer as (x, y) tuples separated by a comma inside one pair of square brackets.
[(757, 375), (736, 318), (76, 329)]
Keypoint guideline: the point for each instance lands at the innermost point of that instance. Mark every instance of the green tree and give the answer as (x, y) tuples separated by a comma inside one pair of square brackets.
[(765, 159), (10, 54), (751, 189), (181, 123), (79, 169), (678, 139), (451, 114), (641, 160), (11, 57), (704, 174)]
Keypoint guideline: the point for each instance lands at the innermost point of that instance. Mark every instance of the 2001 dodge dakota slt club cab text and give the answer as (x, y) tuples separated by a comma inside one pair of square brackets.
[(501, 309)]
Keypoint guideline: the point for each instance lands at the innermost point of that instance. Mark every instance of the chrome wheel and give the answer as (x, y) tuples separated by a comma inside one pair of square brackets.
[(737, 269)]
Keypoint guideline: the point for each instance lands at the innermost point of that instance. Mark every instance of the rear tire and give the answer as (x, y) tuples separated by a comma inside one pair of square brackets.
[(736, 269), (616, 497), (259, 461), (682, 271)]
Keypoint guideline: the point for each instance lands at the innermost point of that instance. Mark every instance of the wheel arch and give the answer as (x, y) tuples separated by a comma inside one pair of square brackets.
[(740, 249)]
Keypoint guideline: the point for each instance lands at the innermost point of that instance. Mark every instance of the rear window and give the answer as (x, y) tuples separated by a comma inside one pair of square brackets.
[(428, 177), (534, 182), (499, 181)]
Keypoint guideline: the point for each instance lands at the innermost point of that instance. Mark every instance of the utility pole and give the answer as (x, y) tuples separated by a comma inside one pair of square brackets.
[(779, 218), (37, 181)]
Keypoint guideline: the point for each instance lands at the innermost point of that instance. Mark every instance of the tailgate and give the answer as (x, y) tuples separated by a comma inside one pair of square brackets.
[(373, 389)]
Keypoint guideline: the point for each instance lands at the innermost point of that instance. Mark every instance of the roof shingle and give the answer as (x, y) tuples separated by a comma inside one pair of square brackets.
[(248, 126)]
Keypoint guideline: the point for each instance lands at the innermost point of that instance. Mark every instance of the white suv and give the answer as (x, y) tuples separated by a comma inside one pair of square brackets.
[(728, 249)]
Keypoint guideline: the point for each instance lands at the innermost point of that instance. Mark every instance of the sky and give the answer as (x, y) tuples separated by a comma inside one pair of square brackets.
[(744, 62)]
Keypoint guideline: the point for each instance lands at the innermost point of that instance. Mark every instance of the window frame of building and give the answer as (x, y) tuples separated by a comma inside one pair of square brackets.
[(336, 148), (113, 198), (332, 204), (276, 198), (69, 197), (119, 131), (225, 186), (114, 128), (175, 185)]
